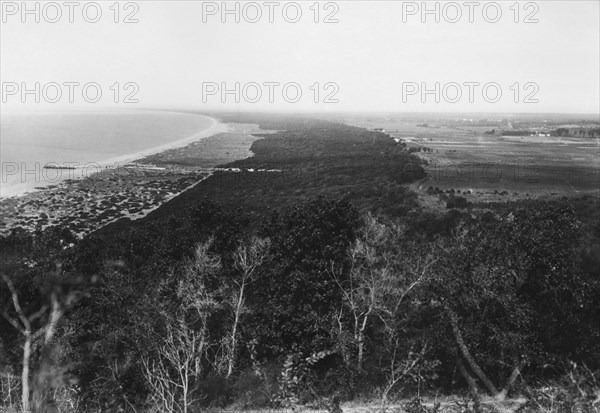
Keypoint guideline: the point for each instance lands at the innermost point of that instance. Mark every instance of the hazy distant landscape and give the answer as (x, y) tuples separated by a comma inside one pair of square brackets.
[(462, 154), (325, 206)]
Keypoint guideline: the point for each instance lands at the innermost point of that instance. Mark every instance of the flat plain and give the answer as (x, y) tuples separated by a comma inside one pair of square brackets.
[(492, 168)]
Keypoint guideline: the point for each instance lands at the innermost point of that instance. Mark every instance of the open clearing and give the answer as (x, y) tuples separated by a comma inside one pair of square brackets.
[(492, 167)]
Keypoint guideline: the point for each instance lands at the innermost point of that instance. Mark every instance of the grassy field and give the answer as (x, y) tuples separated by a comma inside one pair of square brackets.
[(491, 168)]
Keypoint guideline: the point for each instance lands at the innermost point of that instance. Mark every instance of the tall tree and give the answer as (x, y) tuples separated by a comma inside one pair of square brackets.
[(384, 269), (247, 259), (38, 322)]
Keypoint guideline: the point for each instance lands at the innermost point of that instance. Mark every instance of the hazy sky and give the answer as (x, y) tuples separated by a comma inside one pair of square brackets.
[(365, 58)]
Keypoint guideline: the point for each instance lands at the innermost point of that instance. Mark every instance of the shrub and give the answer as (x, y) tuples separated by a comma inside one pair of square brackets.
[(577, 391)]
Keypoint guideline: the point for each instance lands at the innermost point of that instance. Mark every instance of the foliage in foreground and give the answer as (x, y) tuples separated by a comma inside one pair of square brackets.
[(316, 303)]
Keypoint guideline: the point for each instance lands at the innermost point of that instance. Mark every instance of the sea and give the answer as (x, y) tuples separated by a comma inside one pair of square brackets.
[(83, 142)]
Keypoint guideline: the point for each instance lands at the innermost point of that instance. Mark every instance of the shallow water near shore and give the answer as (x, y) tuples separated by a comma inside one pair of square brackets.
[(86, 141)]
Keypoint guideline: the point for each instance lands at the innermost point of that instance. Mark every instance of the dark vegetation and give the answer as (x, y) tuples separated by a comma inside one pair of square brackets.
[(561, 132), (310, 291), (315, 158), (577, 132)]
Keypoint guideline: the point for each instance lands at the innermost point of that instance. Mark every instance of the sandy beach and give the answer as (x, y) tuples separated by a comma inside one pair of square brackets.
[(215, 128), (130, 186), (45, 177)]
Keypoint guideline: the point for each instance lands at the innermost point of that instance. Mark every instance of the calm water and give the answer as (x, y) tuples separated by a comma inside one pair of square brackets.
[(30, 141)]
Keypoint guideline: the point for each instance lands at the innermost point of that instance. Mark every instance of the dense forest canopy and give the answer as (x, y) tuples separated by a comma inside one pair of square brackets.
[(344, 287)]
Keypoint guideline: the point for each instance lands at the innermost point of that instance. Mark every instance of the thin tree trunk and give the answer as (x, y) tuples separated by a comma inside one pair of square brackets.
[(467, 376), (361, 341), (467, 355), (25, 372), (185, 391), (55, 315), (511, 380), (236, 320)]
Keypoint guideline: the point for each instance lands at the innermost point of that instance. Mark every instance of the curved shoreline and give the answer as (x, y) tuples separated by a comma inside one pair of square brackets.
[(86, 170), (213, 129), (127, 191)]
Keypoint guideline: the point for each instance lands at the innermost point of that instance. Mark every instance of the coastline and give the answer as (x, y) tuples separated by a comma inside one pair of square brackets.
[(215, 128), (89, 169), (130, 186)]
